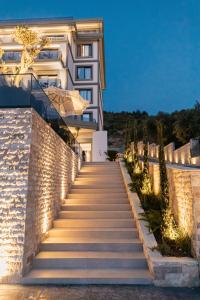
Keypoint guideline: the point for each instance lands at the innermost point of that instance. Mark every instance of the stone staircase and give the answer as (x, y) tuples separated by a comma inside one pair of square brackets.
[(94, 240)]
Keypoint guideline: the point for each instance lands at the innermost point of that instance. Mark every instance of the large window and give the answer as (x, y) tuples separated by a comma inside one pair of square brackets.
[(86, 94), (12, 55), (84, 73), (84, 50), (49, 54)]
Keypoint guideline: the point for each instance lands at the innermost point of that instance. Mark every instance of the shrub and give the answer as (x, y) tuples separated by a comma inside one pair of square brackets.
[(111, 155)]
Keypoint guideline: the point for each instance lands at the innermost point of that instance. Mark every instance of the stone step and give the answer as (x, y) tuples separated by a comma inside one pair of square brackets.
[(100, 172), (111, 233), (99, 197), (97, 186), (91, 244), (99, 166), (101, 181), (104, 192), (101, 163), (95, 215), (78, 199), (60, 223), (92, 207), (99, 176), (97, 276), (89, 260)]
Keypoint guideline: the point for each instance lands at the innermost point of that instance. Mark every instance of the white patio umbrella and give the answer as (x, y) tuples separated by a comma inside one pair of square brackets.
[(66, 102)]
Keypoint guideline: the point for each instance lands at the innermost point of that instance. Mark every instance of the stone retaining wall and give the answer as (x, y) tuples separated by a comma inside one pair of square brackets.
[(36, 171), (188, 154), (166, 271), (184, 193)]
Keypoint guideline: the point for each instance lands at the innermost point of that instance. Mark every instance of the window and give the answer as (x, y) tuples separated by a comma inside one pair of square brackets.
[(87, 117), (49, 54), (86, 94), (51, 80), (84, 50), (84, 73), (12, 55)]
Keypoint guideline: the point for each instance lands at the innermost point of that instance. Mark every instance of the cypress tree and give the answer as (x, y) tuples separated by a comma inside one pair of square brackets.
[(146, 188), (164, 185)]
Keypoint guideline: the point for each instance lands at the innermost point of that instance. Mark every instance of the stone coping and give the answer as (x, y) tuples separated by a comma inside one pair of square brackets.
[(177, 166), (166, 271)]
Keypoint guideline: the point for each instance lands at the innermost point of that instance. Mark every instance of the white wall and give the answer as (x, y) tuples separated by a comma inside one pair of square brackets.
[(99, 146)]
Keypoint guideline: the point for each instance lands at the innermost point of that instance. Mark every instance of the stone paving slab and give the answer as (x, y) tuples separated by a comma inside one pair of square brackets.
[(18, 292)]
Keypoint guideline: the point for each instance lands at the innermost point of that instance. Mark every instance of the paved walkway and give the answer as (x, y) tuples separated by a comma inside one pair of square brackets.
[(16, 292)]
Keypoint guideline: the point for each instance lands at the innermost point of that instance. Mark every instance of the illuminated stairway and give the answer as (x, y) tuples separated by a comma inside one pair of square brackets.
[(94, 240)]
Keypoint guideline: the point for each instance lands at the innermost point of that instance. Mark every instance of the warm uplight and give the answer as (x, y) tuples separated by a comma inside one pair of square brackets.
[(170, 230), (3, 267), (73, 170), (146, 186), (3, 261), (156, 179)]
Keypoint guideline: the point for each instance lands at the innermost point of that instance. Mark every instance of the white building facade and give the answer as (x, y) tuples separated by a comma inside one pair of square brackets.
[(73, 60)]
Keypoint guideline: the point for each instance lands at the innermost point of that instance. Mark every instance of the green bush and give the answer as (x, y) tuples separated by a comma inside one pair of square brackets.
[(111, 155)]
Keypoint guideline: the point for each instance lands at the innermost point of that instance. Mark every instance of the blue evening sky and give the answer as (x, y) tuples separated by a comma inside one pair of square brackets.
[(152, 47)]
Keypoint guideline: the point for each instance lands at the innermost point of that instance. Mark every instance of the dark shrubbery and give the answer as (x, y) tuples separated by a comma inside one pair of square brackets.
[(153, 215), (111, 155)]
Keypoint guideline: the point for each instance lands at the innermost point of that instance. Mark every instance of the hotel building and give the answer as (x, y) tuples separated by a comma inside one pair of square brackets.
[(73, 60)]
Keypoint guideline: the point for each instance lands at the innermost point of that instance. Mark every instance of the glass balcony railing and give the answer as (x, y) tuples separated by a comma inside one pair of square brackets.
[(82, 118), (45, 83), (49, 55), (30, 94), (43, 55)]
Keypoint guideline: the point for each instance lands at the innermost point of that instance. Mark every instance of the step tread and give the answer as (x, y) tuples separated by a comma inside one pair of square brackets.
[(99, 205), (94, 229), (95, 220), (68, 240), (89, 254), (90, 273)]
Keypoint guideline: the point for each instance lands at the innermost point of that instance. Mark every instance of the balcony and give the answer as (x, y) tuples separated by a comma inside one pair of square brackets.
[(47, 82), (82, 122), (29, 94), (44, 58), (51, 59), (49, 55)]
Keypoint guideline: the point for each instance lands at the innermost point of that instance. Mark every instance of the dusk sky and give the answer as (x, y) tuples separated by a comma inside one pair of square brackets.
[(152, 48)]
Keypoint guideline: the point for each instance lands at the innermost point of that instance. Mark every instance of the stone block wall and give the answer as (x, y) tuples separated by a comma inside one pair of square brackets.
[(184, 192), (15, 138), (37, 170), (180, 156)]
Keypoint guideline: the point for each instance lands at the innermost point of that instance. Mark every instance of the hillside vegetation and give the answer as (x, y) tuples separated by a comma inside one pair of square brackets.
[(179, 126)]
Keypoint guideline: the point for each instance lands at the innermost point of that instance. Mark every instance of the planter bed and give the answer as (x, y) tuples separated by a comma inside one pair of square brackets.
[(166, 270)]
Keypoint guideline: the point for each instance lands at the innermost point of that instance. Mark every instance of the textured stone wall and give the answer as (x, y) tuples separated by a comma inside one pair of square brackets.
[(36, 172), (15, 136), (180, 156), (184, 192), (166, 271)]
